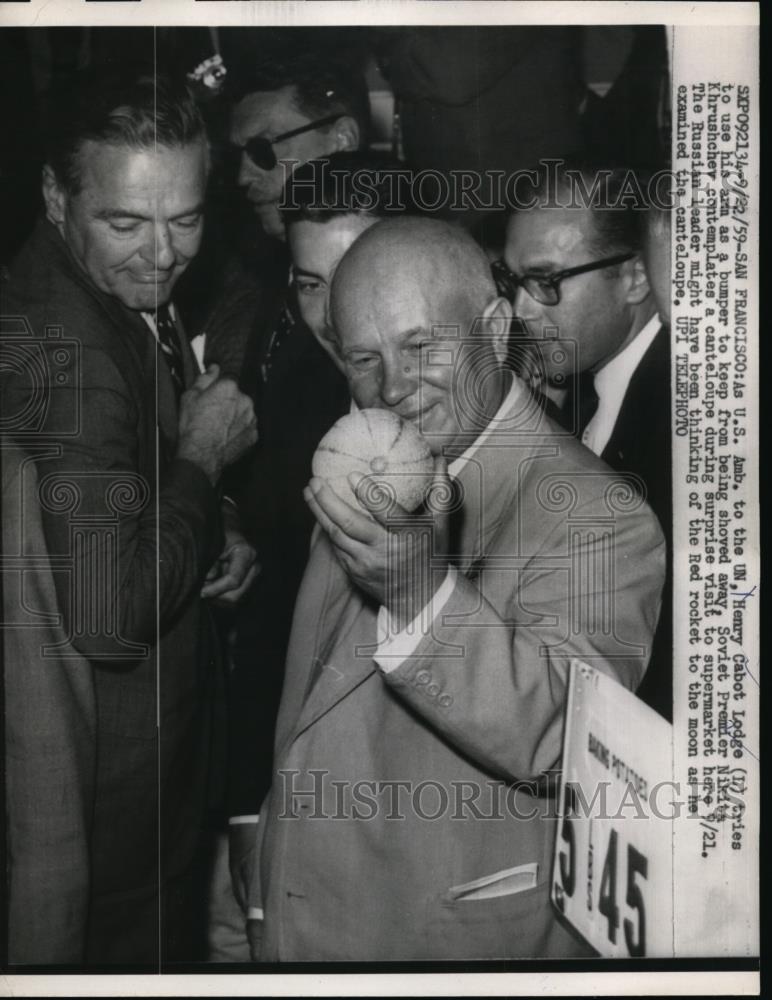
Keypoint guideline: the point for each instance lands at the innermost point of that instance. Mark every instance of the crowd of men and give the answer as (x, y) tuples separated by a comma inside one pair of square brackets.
[(216, 633)]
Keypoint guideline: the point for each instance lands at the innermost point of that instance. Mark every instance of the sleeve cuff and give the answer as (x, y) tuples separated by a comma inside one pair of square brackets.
[(240, 820), (395, 647), (255, 913)]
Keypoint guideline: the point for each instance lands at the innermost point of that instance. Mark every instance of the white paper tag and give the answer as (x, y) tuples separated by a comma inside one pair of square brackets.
[(613, 871)]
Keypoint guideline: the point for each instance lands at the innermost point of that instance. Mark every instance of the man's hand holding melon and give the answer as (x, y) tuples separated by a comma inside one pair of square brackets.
[(368, 460)]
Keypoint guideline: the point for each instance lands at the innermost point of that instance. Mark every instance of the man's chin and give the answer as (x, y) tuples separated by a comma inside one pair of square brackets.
[(146, 300)]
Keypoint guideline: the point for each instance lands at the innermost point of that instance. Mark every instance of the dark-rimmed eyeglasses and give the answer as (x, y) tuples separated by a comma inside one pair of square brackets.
[(545, 288), (260, 150)]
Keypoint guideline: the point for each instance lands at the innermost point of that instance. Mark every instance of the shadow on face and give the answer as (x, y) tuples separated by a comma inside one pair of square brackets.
[(421, 330), (317, 249), (137, 220)]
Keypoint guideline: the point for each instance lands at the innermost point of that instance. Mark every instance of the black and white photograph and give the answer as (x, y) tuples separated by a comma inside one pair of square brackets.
[(380, 535)]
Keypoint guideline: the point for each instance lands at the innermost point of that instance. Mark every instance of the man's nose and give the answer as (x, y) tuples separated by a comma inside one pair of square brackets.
[(328, 314), (399, 382), (524, 305), (163, 250)]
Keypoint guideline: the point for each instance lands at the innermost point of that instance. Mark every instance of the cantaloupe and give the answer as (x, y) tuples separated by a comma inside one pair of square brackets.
[(389, 451)]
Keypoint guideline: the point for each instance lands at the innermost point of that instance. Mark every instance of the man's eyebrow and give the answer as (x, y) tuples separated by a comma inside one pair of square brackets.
[(117, 213), (541, 267), (114, 213), (420, 331), (196, 210), (307, 274)]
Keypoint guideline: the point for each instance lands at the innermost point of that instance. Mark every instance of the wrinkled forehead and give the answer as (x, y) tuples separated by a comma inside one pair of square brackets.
[(109, 169), (393, 305)]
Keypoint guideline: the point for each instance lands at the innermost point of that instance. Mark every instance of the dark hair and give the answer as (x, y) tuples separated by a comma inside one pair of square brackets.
[(324, 84), (138, 109), (347, 183), (617, 196)]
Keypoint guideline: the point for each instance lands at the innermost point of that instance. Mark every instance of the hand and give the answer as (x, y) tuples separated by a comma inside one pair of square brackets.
[(241, 846), (385, 555), (231, 576), (216, 423)]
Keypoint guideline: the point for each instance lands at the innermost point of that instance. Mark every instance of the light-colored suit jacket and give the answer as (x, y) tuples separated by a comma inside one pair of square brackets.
[(556, 558)]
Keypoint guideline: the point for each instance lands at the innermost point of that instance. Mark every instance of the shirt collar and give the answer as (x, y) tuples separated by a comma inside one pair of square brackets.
[(620, 369), (516, 389), (501, 416)]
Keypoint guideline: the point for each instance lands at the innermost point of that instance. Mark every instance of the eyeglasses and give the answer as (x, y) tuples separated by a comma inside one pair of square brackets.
[(260, 150), (545, 288)]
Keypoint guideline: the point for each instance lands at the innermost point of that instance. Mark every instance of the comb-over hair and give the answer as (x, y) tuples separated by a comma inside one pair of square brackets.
[(140, 109)]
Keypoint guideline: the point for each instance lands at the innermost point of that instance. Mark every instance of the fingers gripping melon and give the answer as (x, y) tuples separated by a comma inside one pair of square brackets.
[(380, 445)]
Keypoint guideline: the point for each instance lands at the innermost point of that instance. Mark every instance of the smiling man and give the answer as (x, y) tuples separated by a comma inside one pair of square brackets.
[(138, 441), (428, 663), (133, 223)]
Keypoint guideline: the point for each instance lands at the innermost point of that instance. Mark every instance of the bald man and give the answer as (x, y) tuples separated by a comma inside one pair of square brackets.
[(410, 815)]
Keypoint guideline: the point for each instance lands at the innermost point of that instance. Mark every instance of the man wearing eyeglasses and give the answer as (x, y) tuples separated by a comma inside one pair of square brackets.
[(575, 273)]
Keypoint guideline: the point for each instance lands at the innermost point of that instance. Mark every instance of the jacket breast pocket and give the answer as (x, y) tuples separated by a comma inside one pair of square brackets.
[(506, 914)]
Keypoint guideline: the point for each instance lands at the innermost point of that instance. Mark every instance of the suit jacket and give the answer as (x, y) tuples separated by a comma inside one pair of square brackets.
[(552, 564), (641, 443), (130, 531)]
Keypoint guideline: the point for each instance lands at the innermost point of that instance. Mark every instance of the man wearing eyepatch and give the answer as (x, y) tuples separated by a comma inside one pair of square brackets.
[(290, 112)]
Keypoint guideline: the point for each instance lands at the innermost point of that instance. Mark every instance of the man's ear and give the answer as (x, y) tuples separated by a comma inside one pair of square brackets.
[(498, 319), (54, 197), (639, 284), (346, 134)]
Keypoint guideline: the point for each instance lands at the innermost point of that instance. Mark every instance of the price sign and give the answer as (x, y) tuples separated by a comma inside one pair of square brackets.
[(613, 871)]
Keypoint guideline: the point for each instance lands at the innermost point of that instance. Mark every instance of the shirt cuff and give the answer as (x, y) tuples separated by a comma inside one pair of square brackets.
[(395, 647), (239, 820), (255, 913)]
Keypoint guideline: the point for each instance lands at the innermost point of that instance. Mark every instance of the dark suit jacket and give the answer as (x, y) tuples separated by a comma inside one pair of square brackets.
[(131, 531), (641, 443), (300, 399)]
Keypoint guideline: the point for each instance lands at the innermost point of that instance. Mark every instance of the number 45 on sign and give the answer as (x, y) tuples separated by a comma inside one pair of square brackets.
[(613, 869)]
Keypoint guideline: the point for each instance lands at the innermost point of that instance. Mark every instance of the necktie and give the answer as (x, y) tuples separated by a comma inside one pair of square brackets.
[(281, 331), (581, 403), (169, 340)]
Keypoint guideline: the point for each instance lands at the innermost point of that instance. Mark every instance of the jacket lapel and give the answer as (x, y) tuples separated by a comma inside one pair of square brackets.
[(331, 618), (328, 665), (338, 668), (136, 340)]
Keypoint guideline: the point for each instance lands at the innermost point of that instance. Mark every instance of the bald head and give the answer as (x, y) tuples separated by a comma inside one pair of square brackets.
[(419, 326), (402, 255)]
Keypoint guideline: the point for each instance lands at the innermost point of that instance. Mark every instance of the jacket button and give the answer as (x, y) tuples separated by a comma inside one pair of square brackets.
[(423, 677), (446, 700), (433, 690)]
